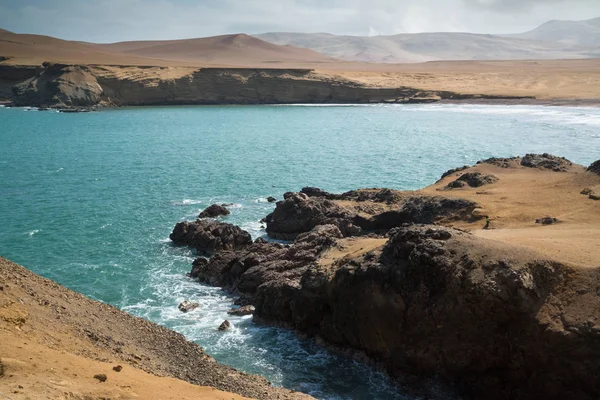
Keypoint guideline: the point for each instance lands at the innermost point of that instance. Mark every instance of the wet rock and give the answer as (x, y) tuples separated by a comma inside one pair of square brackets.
[(242, 311), (271, 199), (548, 161), (546, 221), (501, 162), (453, 171), (214, 211), (473, 179), (226, 325), (198, 266), (118, 368), (208, 236), (101, 377), (187, 306), (595, 167)]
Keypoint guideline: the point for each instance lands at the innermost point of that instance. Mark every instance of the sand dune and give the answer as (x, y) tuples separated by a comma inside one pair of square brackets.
[(229, 50)]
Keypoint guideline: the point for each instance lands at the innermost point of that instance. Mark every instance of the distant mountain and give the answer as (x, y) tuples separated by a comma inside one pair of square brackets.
[(553, 40), (582, 33), (231, 49), (226, 50)]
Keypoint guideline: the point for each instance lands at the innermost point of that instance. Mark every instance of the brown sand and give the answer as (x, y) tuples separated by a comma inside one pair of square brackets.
[(53, 341)]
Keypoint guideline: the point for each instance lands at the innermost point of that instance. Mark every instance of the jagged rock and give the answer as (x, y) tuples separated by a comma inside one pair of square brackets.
[(473, 179), (242, 311), (314, 192), (453, 171), (594, 167), (214, 211), (480, 313), (546, 221), (208, 236), (187, 306), (299, 213), (501, 162), (198, 266), (271, 199), (548, 161), (225, 325)]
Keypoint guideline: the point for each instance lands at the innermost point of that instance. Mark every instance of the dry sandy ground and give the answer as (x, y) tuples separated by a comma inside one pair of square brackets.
[(512, 205), (53, 342), (545, 80)]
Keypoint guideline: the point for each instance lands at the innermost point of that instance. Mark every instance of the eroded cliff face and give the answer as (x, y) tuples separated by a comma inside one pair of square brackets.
[(76, 85)]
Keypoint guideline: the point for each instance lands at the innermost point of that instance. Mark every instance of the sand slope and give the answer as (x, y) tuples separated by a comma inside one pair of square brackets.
[(53, 342)]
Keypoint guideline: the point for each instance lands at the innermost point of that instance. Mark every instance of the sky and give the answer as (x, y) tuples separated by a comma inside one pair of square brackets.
[(119, 20)]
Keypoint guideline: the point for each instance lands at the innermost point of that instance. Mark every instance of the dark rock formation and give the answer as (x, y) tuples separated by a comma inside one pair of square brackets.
[(546, 221), (453, 171), (186, 306), (299, 213), (208, 236), (595, 167), (586, 191), (548, 161), (197, 266), (242, 311), (501, 162), (473, 179), (225, 325), (594, 196), (271, 199), (214, 211), (484, 315)]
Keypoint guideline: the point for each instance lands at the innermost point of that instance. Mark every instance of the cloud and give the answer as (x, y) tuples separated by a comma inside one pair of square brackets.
[(116, 20)]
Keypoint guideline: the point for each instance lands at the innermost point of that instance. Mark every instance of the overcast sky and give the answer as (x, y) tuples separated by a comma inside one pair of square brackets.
[(117, 20)]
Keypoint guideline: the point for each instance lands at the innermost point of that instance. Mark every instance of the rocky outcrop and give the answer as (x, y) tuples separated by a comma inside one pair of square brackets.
[(594, 167), (214, 211), (209, 236), (546, 221), (548, 161), (501, 162), (301, 212), (59, 85), (81, 85), (434, 300), (454, 171), (242, 311), (472, 179)]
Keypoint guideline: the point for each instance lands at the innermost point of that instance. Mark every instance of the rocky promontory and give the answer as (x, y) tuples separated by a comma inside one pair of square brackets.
[(455, 284), (66, 85)]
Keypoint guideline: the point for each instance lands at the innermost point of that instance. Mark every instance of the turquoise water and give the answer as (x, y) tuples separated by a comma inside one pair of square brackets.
[(90, 199)]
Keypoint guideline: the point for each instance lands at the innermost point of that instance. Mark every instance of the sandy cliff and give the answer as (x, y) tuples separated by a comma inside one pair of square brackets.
[(54, 341)]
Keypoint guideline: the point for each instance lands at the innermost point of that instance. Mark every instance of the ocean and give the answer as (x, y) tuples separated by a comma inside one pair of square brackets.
[(89, 200)]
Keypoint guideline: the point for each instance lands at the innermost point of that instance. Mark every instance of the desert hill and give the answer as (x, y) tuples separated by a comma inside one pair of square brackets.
[(230, 50), (579, 33), (554, 40)]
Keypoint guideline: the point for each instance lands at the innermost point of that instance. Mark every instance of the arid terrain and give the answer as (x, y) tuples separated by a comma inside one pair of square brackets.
[(175, 65), (54, 341)]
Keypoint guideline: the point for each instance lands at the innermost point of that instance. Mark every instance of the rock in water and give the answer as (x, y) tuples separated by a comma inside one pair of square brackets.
[(548, 161), (198, 266), (186, 306), (271, 199), (214, 211), (208, 236), (226, 325), (595, 167), (240, 312)]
